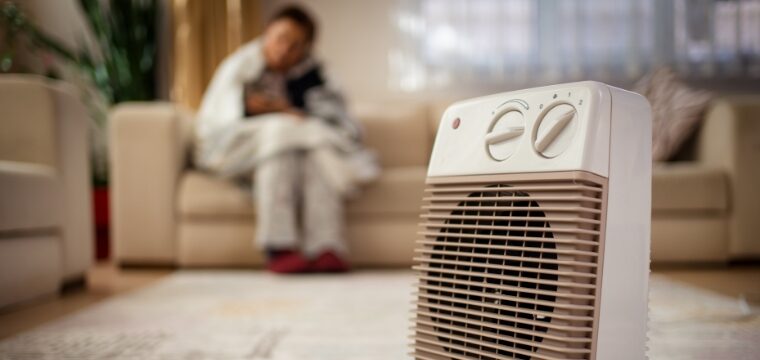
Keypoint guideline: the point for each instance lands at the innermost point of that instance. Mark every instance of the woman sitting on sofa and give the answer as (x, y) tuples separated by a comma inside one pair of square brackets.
[(271, 116)]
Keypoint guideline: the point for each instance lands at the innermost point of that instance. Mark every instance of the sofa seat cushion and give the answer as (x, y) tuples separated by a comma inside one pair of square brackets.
[(679, 187), (203, 195), (398, 191), (30, 198)]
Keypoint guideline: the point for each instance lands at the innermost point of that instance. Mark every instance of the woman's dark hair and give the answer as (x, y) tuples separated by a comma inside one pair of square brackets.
[(301, 17)]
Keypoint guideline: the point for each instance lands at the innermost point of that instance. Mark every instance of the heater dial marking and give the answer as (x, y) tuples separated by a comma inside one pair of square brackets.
[(555, 130), (504, 134)]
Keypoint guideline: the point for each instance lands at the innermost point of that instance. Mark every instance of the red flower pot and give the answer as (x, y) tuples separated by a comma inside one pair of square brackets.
[(101, 215)]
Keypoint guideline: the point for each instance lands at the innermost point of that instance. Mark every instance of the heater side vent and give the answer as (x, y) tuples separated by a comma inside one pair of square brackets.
[(509, 267)]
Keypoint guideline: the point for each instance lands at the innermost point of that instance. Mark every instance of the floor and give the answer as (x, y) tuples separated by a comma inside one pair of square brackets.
[(106, 280), (735, 281)]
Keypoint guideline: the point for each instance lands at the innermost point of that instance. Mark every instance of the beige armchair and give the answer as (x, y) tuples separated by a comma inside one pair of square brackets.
[(45, 214)]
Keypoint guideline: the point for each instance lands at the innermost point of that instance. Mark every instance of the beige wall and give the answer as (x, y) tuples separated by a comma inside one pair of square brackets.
[(60, 18), (354, 40)]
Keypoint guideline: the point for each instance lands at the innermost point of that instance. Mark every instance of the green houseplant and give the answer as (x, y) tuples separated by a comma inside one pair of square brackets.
[(119, 66)]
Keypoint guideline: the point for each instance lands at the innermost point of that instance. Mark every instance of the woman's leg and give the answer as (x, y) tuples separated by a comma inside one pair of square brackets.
[(322, 212), (276, 194)]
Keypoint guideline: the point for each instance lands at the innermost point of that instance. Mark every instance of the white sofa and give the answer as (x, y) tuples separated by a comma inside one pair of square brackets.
[(45, 214), (705, 206)]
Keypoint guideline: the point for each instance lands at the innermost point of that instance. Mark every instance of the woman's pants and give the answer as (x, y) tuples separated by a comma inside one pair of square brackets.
[(289, 191)]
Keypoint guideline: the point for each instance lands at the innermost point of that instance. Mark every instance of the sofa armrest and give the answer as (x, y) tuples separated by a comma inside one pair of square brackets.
[(730, 140), (44, 123), (72, 148), (149, 147)]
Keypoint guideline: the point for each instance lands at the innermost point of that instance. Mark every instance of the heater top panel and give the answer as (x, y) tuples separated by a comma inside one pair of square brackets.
[(555, 128)]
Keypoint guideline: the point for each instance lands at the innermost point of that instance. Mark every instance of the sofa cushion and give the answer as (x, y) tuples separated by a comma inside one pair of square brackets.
[(28, 129), (690, 239), (398, 191), (204, 195), (677, 110), (31, 198), (398, 133), (688, 187)]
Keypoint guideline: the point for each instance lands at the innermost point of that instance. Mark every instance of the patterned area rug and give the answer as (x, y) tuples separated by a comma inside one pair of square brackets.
[(251, 315)]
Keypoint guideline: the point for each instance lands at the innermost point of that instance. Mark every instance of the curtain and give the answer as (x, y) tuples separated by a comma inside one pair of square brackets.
[(445, 44), (204, 33)]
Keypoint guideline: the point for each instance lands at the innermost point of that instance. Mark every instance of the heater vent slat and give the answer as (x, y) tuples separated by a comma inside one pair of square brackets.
[(463, 228), (565, 219), (438, 355), (475, 341), (477, 266), (528, 323), (485, 257), (507, 208), (443, 321), (509, 267), (581, 341), (483, 351), (421, 356), (471, 247), (497, 305), (495, 284), (490, 199), (534, 260), (492, 341), (500, 296), (524, 188), (516, 238), (503, 281)]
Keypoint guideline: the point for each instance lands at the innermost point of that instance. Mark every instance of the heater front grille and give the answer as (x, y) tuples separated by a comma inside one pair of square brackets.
[(509, 267)]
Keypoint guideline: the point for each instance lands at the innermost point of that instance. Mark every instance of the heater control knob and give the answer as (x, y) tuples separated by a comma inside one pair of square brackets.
[(504, 134), (555, 130)]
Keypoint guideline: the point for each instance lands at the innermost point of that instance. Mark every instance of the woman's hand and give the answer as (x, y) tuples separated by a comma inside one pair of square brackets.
[(258, 103)]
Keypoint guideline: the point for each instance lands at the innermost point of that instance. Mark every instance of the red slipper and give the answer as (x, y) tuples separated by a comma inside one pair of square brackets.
[(329, 262), (288, 262)]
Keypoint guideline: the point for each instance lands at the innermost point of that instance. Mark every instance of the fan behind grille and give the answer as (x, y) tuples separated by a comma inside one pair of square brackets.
[(508, 269)]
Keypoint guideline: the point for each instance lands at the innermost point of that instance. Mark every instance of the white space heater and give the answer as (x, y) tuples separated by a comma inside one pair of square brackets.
[(535, 229)]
